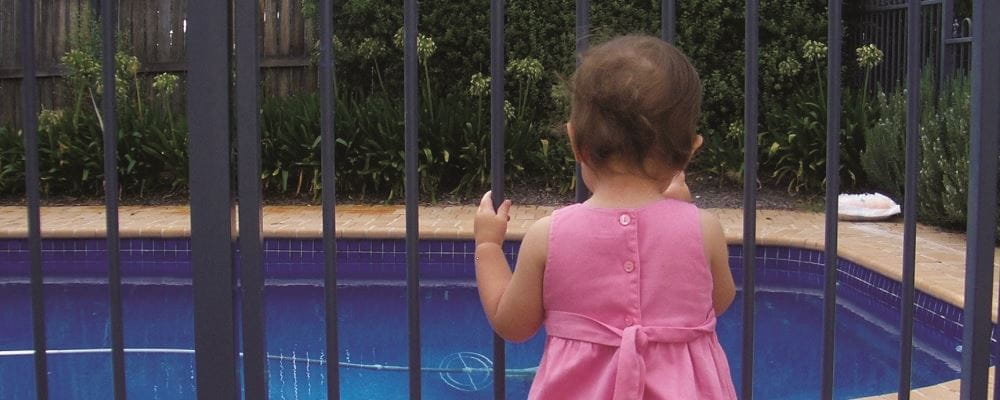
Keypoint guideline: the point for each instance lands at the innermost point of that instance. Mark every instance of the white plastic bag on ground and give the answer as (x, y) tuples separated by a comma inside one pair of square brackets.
[(866, 207)]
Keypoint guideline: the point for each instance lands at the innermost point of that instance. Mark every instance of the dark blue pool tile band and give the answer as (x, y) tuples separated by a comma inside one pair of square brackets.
[(446, 260)]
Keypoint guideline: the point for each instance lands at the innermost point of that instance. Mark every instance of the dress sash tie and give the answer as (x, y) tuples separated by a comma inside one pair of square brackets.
[(630, 379)]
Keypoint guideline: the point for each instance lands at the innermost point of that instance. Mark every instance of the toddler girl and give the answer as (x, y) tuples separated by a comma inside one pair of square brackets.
[(627, 284)]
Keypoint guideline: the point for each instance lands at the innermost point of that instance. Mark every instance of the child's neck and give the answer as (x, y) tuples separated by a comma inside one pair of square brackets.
[(625, 191)]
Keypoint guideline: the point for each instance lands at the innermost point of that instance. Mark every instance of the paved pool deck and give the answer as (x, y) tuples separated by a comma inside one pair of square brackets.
[(940, 269)]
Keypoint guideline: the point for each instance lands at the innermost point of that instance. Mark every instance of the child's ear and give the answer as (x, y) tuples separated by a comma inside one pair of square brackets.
[(571, 133), (696, 145)]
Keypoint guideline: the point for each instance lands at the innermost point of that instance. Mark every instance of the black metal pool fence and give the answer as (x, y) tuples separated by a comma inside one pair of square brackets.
[(219, 27), (945, 39)]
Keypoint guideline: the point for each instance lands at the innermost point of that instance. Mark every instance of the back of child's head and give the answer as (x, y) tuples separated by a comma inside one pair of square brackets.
[(636, 102)]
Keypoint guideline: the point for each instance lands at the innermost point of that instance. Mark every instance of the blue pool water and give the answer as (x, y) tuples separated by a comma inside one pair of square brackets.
[(372, 318)]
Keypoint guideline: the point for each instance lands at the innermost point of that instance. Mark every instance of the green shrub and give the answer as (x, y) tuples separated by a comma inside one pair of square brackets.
[(152, 141), (883, 159), (454, 143), (454, 146), (454, 128), (944, 146), (944, 150), (11, 161), (545, 30), (795, 137), (796, 145)]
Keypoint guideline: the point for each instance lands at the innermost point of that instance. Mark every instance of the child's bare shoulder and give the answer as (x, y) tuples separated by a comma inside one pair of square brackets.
[(711, 226)]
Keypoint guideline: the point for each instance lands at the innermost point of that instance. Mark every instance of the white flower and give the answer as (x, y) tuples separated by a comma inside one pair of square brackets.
[(814, 50), (425, 45), (789, 67), (479, 85), (869, 55), (527, 68), (508, 110), (370, 48), (165, 83)]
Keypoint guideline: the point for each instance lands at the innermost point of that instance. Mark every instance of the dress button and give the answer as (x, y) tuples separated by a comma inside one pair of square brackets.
[(625, 219), (629, 321), (629, 266)]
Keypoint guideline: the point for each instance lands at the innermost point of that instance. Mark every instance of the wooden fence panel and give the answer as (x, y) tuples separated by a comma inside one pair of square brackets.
[(10, 101), (177, 44), (153, 31), (270, 10), (9, 55)]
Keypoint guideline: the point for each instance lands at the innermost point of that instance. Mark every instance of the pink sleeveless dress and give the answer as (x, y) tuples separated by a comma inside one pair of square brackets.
[(628, 307)]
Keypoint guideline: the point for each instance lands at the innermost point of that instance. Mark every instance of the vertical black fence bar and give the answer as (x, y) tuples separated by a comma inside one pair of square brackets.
[(582, 43), (910, 194), (982, 199), (497, 152), (208, 79), (109, 23), (932, 45), (750, 115), (412, 107), (947, 60), (901, 35), (668, 21), (29, 118), (834, 35), (247, 59), (882, 44), (887, 47), (328, 143), (897, 44)]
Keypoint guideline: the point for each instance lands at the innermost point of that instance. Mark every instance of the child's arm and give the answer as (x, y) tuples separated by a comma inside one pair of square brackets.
[(717, 254), (512, 301)]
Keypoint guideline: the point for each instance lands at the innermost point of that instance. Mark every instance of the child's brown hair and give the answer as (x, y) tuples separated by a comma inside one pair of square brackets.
[(635, 98)]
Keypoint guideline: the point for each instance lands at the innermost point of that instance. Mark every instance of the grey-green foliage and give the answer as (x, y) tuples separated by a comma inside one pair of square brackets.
[(944, 145), (882, 157), (944, 149)]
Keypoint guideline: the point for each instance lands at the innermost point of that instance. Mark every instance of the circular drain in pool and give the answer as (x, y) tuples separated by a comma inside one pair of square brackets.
[(466, 371)]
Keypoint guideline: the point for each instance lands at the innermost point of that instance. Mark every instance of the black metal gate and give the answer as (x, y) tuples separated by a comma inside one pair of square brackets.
[(212, 210), (945, 40)]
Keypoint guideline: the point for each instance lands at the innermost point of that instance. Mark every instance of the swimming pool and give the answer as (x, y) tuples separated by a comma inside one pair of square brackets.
[(158, 318)]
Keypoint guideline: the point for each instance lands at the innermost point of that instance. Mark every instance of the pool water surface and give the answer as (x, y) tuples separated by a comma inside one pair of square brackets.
[(372, 319)]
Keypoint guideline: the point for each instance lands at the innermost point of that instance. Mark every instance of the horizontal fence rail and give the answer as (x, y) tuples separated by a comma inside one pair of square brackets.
[(219, 286)]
